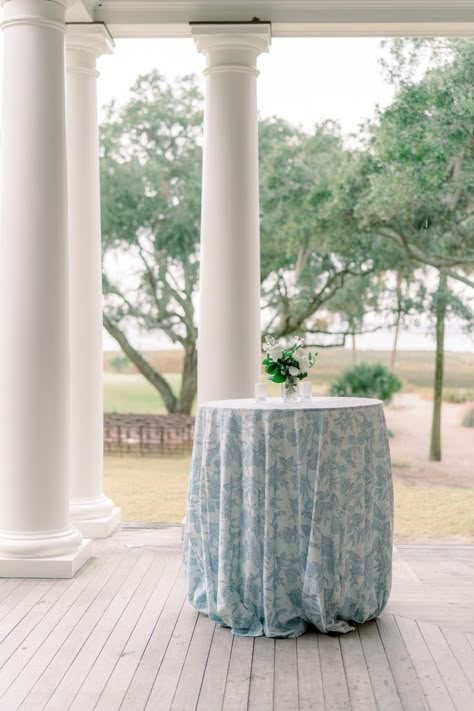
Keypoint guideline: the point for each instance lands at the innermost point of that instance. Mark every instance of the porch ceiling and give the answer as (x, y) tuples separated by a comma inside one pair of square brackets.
[(289, 18)]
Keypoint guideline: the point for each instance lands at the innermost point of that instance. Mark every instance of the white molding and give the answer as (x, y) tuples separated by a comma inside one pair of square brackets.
[(306, 29), (253, 37), (291, 18), (99, 527), (93, 38), (271, 5), (375, 29), (63, 566), (81, 11)]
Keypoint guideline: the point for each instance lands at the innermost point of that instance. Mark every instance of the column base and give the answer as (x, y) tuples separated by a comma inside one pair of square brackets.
[(61, 566), (99, 527)]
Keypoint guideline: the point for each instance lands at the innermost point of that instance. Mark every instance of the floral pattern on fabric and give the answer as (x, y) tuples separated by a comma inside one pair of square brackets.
[(289, 518)]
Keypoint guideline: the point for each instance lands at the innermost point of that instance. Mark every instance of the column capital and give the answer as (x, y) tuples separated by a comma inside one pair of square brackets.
[(85, 42), (46, 13), (91, 37), (230, 46)]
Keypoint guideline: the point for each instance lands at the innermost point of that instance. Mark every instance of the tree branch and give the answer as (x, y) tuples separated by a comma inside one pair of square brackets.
[(157, 380)]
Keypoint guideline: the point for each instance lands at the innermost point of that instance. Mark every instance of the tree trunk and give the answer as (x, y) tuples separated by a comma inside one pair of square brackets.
[(441, 299), (397, 323), (189, 380), (354, 349), (157, 380)]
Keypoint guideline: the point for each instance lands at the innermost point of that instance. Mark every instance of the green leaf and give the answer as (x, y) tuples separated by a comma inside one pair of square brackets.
[(271, 368), (278, 378)]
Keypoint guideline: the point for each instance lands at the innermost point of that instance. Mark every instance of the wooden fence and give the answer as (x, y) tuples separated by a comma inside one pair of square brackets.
[(148, 434)]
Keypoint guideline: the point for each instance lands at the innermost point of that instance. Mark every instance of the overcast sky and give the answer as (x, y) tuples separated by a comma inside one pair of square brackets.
[(302, 80)]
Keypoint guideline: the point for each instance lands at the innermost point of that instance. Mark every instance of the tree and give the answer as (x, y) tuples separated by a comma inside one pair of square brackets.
[(312, 248), (150, 182), (421, 192)]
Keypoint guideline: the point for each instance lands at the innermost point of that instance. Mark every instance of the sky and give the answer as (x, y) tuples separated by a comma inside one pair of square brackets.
[(304, 80)]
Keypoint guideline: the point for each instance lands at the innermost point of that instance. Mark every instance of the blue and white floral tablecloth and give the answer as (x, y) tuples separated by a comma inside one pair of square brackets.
[(290, 515)]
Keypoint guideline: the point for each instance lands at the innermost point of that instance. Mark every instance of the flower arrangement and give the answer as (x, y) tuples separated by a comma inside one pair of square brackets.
[(287, 366)]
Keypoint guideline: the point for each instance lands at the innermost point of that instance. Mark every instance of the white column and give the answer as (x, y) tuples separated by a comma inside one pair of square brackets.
[(36, 538), (229, 303), (91, 511)]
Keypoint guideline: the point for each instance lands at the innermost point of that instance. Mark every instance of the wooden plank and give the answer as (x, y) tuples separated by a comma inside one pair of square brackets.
[(150, 663), (189, 685), (461, 618), (59, 588), (433, 685), (163, 691), (212, 691), (449, 669), (23, 628), (310, 682), (262, 675), (381, 677), (15, 597), (80, 652), (462, 650), (286, 676), (22, 607), (403, 573), (144, 652), (336, 693), (119, 681), (8, 585), (43, 667), (357, 676), (238, 678), (103, 665), (45, 629), (403, 670)]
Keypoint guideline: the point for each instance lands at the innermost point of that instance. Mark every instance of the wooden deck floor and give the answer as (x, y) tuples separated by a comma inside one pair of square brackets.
[(121, 636)]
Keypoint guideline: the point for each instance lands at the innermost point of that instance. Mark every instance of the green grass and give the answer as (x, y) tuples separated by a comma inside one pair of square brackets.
[(132, 393), (154, 491), (430, 514), (148, 490), (415, 368)]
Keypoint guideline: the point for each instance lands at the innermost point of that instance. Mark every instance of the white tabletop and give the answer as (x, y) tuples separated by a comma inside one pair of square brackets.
[(277, 403)]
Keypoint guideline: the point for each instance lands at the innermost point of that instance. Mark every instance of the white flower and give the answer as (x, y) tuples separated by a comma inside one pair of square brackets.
[(298, 355), (293, 371), (269, 343), (275, 352)]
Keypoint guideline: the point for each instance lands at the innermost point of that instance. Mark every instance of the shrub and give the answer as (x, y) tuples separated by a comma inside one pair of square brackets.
[(367, 380), (458, 395), (468, 419), (119, 363)]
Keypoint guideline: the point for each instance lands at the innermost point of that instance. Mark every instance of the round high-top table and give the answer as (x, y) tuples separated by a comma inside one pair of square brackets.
[(290, 515)]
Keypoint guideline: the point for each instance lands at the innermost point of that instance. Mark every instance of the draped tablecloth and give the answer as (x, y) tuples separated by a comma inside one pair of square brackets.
[(290, 515)]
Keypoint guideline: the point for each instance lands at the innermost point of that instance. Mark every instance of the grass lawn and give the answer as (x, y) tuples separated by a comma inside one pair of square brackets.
[(154, 491), (132, 393), (430, 514), (148, 489)]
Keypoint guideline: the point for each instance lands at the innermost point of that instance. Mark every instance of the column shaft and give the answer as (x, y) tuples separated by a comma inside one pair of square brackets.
[(91, 511), (34, 480), (229, 306)]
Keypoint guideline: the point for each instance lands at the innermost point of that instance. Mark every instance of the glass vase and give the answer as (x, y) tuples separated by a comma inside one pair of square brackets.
[(289, 389)]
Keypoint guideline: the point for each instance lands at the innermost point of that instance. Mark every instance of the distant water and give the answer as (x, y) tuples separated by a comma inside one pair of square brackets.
[(455, 340), (413, 340)]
